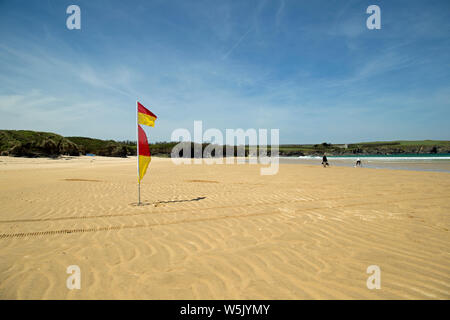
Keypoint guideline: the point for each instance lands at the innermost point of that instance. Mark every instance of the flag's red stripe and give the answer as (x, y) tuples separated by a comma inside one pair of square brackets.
[(144, 150), (144, 110)]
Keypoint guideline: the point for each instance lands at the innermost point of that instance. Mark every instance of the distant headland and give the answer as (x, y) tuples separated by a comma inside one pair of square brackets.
[(27, 143)]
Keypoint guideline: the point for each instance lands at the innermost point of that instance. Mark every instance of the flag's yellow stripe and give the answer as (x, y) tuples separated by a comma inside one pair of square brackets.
[(146, 119), (144, 161)]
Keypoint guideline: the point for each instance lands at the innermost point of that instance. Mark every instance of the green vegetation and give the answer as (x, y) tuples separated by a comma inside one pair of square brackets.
[(401, 147), (100, 147), (368, 148), (25, 143), (28, 143)]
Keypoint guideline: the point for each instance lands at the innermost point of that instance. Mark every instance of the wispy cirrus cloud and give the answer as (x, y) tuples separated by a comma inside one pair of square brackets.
[(311, 69)]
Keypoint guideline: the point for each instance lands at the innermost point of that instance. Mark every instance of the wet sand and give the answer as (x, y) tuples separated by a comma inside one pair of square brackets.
[(424, 164)]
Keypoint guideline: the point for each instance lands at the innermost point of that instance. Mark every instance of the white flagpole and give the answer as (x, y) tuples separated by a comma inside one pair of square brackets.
[(137, 155)]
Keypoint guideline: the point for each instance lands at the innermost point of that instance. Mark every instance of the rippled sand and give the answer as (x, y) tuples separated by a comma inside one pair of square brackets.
[(220, 231)]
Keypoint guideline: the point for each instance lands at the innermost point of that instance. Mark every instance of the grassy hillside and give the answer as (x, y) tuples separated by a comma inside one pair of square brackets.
[(26, 143), (100, 147), (369, 148)]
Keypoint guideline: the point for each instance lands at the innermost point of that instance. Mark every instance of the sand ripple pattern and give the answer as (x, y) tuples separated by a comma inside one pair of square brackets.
[(222, 232)]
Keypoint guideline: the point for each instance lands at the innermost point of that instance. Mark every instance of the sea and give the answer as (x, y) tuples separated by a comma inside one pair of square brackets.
[(417, 162)]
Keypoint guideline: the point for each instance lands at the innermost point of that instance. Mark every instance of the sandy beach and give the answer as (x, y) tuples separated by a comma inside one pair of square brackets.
[(221, 231)]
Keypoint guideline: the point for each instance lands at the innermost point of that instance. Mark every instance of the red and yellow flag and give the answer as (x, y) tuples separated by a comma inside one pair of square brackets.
[(145, 116), (144, 153)]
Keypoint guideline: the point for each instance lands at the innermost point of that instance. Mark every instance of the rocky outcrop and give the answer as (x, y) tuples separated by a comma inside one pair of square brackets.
[(113, 150)]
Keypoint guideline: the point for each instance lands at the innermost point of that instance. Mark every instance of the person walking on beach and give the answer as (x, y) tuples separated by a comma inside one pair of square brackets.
[(325, 161), (358, 163)]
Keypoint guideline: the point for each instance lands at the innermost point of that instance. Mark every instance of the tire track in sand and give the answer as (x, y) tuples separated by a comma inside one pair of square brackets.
[(209, 208), (136, 226)]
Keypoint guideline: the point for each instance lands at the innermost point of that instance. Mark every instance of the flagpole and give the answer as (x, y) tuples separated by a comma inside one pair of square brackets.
[(137, 155)]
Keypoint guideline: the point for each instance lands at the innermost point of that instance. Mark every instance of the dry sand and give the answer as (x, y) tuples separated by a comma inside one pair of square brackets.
[(220, 231)]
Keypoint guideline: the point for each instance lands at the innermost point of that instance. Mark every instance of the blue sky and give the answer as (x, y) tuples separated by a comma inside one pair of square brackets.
[(309, 68)]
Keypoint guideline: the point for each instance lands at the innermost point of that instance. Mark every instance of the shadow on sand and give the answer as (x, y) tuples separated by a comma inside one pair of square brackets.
[(157, 203)]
